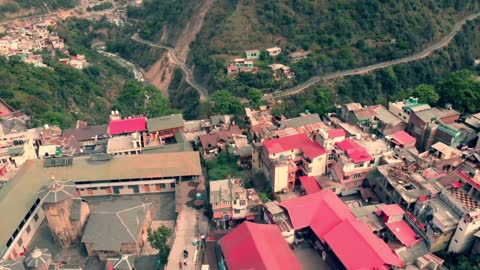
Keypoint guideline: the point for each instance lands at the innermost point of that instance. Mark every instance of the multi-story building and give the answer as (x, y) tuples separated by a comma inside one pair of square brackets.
[(162, 129), (274, 214), (283, 160), (403, 109), (424, 125), (351, 164), (15, 153), (92, 176), (384, 122), (229, 200), (130, 144)]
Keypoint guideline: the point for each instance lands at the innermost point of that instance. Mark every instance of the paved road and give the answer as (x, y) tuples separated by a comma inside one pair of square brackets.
[(362, 70), (173, 57), (316, 79)]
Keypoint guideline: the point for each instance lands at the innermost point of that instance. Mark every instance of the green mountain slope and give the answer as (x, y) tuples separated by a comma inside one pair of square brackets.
[(340, 34)]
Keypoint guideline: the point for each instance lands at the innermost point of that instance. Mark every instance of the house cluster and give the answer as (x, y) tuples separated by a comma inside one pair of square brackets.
[(29, 40), (76, 61), (403, 181), (51, 174), (246, 64)]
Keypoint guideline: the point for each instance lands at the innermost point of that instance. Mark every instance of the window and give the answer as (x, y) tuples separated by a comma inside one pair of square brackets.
[(225, 212), (456, 241), (20, 242), (460, 229), (357, 175), (162, 185), (35, 217), (28, 229), (359, 165), (243, 202), (172, 185), (237, 211)]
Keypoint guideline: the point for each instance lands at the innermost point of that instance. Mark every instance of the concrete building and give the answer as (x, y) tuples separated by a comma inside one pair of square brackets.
[(423, 125), (298, 56), (94, 175), (91, 139), (15, 153), (350, 165), (274, 214), (403, 109), (385, 122), (283, 160), (162, 129), (130, 144), (274, 51), (229, 200), (252, 54), (117, 228)]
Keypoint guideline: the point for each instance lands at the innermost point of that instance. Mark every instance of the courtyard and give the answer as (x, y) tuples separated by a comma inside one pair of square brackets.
[(162, 211)]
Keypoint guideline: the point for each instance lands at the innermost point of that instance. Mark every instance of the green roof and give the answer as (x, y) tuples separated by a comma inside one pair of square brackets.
[(19, 194), (165, 122), (15, 151)]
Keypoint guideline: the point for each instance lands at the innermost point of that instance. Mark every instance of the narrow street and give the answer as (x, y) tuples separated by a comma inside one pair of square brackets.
[(190, 226)]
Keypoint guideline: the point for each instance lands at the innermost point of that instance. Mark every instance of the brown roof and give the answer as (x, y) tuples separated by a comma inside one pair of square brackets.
[(20, 193), (211, 140), (85, 133)]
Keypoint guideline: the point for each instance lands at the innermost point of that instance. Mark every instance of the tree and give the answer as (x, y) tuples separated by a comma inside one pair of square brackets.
[(263, 197), (425, 94), (461, 90), (158, 240), (225, 103), (254, 96), (137, 98), (223, 167)]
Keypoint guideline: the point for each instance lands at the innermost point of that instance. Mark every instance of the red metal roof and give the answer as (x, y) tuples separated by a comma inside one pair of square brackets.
[(310, 184), (335, 133), (403, 232), (259, 247), (299, 141), (391, 210), (403, 138), (332, 221), (321, 211), (358, 248), (128, 125), (354, 150)]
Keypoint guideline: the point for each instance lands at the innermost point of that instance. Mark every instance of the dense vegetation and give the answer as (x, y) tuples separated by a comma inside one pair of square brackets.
[(162, 19), (340, 34), (401, 81), (38, 6), (65, 94)]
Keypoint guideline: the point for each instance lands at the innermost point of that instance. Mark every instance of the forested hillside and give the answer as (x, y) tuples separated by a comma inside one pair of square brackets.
[(24, 7), (65, 94), (461, 89), (340, 34)]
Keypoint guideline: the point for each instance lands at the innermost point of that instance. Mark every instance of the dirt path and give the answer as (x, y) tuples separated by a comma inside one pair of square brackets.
[(161, 73)]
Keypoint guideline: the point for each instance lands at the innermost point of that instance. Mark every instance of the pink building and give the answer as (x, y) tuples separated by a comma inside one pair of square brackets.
[(351, 164)]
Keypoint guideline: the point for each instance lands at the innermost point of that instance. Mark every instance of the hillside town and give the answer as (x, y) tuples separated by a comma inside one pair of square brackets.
[(400, 183), (30, 39)]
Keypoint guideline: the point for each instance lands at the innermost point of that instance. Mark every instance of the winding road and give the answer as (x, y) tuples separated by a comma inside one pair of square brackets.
[(362, 70), (173, 57), (316, 79)]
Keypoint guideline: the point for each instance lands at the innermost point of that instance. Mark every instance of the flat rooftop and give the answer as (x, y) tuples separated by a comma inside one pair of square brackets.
[(20, 193)]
